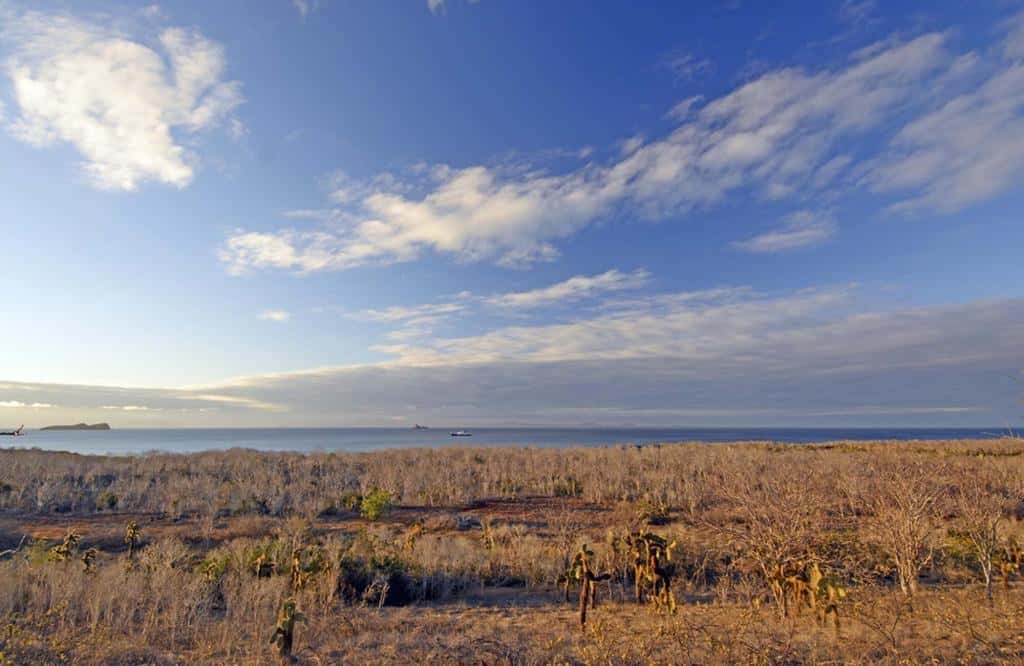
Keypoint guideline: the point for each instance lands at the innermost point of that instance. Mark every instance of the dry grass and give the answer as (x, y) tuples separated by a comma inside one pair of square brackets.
[(464, 567)]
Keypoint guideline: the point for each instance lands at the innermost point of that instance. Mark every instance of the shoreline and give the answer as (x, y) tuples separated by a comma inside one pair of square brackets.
[(146, 442)]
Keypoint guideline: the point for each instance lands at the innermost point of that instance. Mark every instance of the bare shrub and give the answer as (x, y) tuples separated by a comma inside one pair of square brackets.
[(903, 501), (464, 567), (982, 501)]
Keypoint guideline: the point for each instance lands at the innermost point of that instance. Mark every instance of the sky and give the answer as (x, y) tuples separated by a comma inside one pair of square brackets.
[(512, 212)]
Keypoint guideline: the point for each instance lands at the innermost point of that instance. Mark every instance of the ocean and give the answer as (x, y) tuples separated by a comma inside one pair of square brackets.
[(187, 440)]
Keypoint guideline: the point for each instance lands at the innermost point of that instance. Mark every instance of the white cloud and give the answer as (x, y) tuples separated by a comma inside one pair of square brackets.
[(686, 67), (130, 408), (776, 137), (856, 11), (1013, 44), (573, 289), (801, 229), (474, 213), (968, 150), (419, 321), (237, 129), (682, 110), (631, 144), (18, 404), (666, 326), (305, 7), (413, 321), (400, 313), (275, 315), (118, 99), (247, 250), (729, 356), (153, 12), (440, 6)]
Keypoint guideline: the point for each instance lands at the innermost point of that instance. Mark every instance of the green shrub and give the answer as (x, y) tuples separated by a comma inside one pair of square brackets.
[(214, 566), (376, 503)]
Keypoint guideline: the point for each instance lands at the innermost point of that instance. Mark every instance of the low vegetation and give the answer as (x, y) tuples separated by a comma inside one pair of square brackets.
[(898, 552)]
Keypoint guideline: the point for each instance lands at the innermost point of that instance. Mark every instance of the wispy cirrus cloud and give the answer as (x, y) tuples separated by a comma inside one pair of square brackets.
[(441, 6), (123, 101), (857, 12), (686, 67), (934, 122), (657, 326), (400, 313), (969, 149), (1013, 43), (420, 321), (305, 7), (800, 229), (279, 316), (413, 321), (573, 289), (416, 321)]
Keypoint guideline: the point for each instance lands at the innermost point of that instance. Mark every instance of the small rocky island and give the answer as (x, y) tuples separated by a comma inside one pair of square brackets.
[(79, 426)]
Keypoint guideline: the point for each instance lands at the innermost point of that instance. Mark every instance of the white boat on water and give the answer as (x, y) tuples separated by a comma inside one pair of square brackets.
[(462, 433)]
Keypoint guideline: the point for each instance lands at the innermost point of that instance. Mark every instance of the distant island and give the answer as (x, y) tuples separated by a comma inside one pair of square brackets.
[(79, 426)]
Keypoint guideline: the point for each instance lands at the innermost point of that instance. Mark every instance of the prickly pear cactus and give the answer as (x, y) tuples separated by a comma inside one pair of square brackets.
[(283, 637), (132, 537)]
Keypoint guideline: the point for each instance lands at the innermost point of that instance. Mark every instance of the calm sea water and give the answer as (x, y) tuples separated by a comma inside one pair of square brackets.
[(374, 439)]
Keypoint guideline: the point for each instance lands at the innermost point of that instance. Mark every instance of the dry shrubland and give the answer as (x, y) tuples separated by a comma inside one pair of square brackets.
[(900, 552)]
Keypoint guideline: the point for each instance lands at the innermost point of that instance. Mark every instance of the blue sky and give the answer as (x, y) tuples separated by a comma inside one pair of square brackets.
[(339, 212)]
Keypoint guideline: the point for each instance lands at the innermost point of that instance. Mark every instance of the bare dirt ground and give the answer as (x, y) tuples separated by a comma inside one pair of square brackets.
[(106, 530)]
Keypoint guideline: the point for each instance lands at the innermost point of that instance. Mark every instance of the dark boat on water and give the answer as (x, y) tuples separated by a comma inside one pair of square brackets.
[(14, 433), (462, 433)]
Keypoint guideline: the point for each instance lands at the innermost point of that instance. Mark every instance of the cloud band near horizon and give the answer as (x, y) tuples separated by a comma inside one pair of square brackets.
[(730, 359)]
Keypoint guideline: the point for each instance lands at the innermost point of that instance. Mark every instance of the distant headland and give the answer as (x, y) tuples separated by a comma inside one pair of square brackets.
[(79, 426)]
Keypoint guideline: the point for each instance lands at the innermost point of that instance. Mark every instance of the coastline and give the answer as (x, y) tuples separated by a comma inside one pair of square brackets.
[(133, 441)]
